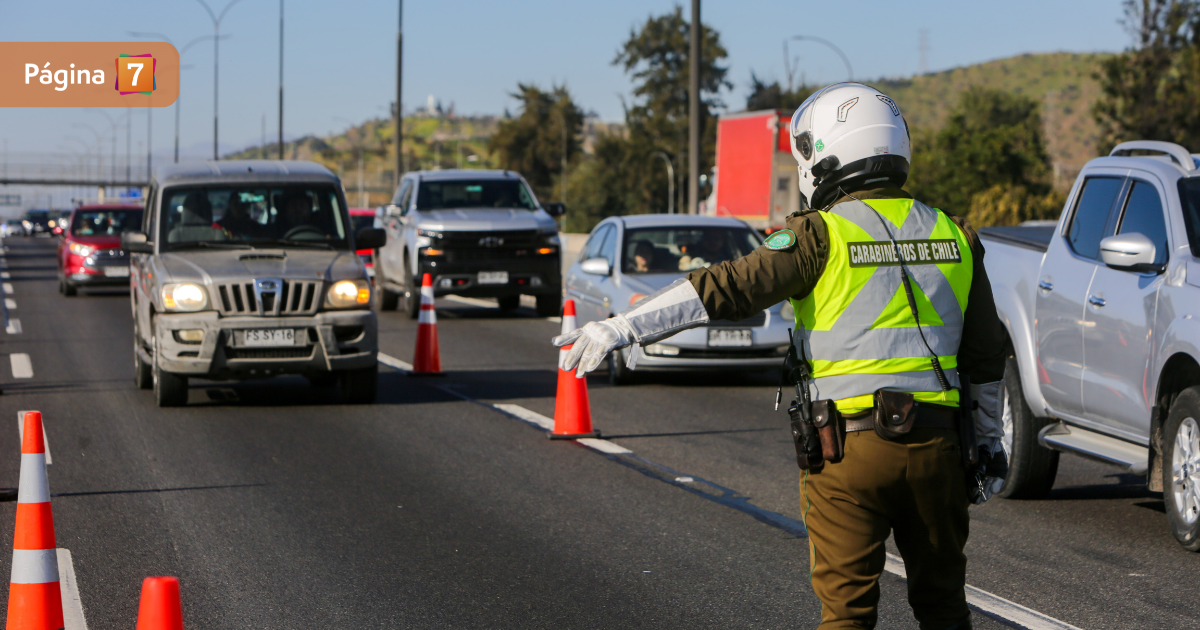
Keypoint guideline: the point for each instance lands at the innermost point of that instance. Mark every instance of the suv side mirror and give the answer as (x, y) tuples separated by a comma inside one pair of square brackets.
[(596, 266), (1130, 252), (370, 238), (556, 209), (136, 243), (392, 210)]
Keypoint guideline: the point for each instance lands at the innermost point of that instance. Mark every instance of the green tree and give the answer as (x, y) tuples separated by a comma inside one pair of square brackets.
[(771, 95), (541, 139), (992, 143), (1150, 91)]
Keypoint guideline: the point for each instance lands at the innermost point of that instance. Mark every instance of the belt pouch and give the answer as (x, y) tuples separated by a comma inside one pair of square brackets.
[(831, 428), (895, 413), (805, 438)]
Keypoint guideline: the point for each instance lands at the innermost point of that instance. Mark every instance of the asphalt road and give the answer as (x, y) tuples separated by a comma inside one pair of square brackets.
[(279, 508)]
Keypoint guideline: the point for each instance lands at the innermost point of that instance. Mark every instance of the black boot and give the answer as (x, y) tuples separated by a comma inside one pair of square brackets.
[(965, 624)]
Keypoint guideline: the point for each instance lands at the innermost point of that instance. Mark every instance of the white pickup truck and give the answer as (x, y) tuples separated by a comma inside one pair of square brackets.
[(1103, 312)]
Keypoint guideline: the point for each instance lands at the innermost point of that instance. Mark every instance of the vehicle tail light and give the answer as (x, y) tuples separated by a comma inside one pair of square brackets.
[(636, 297)]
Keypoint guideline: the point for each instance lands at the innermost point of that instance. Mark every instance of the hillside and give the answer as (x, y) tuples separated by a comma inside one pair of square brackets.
[(1062, 82)]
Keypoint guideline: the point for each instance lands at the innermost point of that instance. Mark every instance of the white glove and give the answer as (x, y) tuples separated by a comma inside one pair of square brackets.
[(594, 341)]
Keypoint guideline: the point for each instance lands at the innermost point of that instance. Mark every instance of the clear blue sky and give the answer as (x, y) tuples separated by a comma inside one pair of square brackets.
[(340, 66)]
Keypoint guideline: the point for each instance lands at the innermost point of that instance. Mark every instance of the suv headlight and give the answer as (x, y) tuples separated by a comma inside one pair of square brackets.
[(80, 249), (348, 294), (184, 296)]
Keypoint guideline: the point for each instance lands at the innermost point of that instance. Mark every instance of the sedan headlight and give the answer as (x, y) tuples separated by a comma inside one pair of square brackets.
[(185, 297), (80, 249), (348, 294)]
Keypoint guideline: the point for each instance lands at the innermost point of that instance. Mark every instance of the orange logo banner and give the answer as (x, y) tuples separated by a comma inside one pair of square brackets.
[(88, 74)]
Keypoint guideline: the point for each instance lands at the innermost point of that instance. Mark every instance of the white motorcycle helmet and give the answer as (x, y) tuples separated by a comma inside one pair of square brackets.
[(847, 136)]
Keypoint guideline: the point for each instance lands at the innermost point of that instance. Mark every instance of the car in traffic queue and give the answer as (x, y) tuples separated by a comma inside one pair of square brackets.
[(89, 247), (477, 233), (13, 227), (37, 222), (628, 258), (365, 218), (247, 269)]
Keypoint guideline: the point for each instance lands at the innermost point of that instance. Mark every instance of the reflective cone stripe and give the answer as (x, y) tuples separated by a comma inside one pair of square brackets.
[(160, 607), (572, 411), (34, 598), (427, 358)]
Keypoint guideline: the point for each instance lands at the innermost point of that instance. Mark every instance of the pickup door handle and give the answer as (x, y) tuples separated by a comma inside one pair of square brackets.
[(1096, 300), (1045, 285)]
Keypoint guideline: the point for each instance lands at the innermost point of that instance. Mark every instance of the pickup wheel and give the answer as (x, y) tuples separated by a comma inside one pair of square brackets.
[(1181, 468), (549, 305), (509, 303), (143, 375), (358, 387), (412, 293), (388, 300), (1032, 467), (170, 390)]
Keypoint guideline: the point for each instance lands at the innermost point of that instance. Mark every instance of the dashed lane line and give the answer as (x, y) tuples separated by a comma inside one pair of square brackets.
[(13, 327), (471, 301), (73, 618), (22, 366), (8, 290), (990, 605), (10, 304), (5, 275), (21, 433)]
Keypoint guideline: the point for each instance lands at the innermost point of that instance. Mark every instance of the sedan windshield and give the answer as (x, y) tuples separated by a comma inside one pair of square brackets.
[(106, 222), (676, 249), (474, 193), (300, 215)]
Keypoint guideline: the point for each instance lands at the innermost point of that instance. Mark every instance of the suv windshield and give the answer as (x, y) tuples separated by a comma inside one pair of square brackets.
[(676, 249), (304, 215), (105, 222), (474, 193)]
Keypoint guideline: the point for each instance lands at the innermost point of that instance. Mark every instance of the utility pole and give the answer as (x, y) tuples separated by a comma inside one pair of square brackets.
[(281, 79), (216, 20), (128, 142), (149, 142), (399, 114), (693, 172)]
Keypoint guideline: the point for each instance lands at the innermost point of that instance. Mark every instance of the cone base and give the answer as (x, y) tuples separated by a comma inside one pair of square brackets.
[(572, 436), (420, 374), (35, 606)]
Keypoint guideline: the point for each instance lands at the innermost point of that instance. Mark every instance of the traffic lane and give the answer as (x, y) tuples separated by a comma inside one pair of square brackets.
[(283, 517), (1047, 555)]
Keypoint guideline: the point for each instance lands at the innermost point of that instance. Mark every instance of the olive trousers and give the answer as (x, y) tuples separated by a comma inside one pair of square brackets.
[(914, 488)]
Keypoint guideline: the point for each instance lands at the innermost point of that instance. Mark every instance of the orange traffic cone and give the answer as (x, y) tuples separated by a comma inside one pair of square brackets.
[(34, 598), (160, 608), (572, 412), (427, 361)]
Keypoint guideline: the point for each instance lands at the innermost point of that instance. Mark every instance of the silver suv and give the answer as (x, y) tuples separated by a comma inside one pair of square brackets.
[(247, 269), (477, 233)]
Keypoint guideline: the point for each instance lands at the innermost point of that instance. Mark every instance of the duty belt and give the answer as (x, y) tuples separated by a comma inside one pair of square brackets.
[(929, 416)]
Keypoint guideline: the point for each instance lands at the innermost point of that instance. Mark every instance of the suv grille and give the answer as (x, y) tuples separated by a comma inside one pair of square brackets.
[(269, 353), (289, 297), (505, 239)]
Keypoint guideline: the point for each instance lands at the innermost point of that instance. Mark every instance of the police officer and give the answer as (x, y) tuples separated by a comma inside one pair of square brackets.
[(890, 296)]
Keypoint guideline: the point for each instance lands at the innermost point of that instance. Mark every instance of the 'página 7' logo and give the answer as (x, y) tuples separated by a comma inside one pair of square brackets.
[(61, 77), (135, 74)]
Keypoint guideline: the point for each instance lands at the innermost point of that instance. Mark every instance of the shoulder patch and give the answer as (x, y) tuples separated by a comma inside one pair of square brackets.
[(780, 240)]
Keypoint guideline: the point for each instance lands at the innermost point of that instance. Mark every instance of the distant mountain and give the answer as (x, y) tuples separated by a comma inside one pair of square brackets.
[(1064, 83)]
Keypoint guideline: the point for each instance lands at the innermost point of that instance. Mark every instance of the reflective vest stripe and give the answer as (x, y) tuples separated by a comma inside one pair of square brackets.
[(870, 343), (851, 385)]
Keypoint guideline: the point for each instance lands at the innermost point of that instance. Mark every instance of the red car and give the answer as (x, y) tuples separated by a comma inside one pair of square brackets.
[(364, 218), (89, 252)]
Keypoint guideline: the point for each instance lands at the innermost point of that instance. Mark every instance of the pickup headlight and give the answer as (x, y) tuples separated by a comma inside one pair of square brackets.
[(185, 297), (348, 294), (80, 249), (552, 240)]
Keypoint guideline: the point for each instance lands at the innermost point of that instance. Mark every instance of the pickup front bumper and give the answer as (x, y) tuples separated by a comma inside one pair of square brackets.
[(325, 342), (532, 275)]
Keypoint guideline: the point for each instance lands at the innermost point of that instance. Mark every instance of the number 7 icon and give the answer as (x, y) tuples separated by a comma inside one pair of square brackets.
[(129, 74)]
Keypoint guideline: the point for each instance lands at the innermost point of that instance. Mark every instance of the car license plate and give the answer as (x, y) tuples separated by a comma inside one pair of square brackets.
[(121, 271), (726, 338), (267, 338), (493, 277)]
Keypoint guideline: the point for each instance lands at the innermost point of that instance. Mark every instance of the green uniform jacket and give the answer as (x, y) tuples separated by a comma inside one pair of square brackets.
[(737, 289)]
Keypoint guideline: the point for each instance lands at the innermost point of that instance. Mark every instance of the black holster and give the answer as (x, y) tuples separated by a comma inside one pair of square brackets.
[(894, 414), (831, 428), (806, 438)]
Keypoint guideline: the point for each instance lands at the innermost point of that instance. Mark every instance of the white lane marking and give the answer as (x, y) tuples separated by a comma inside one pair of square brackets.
[(5, 275), (10, 303), (21, 432), (994, 604), (73, 618), (22, 367), (391, 361), (13, 327), (8, 288), (471, 301)]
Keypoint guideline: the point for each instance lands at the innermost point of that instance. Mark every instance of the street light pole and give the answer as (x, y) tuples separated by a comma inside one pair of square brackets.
[(809, 38), (181, 68), (670, 181), (216, 20), (399, 114), (281, 79), (693, 172)]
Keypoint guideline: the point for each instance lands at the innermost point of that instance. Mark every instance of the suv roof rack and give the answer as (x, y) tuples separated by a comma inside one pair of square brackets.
[(1178, 154)]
